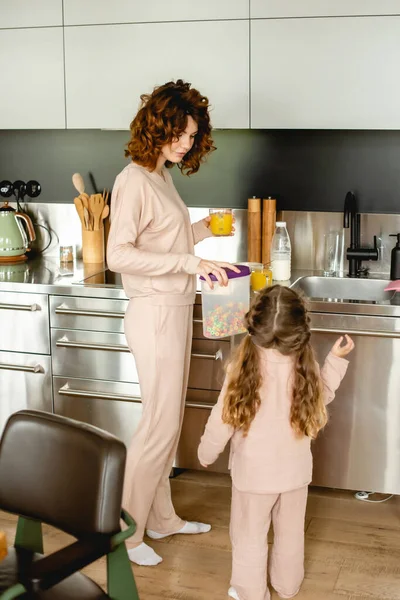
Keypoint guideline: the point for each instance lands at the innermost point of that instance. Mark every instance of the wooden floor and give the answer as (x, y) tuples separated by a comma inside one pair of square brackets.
[(352, 547)]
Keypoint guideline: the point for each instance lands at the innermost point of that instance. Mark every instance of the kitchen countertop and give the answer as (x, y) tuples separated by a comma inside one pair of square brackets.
[(45, 276)]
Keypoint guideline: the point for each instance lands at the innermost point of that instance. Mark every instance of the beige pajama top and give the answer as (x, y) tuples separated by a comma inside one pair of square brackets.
[(151, 240), (270, 459)]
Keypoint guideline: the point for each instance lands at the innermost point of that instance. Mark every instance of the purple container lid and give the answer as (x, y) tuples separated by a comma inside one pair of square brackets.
[(244, 270)]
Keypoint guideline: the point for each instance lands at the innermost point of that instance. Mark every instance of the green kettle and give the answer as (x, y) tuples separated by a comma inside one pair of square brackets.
[(13, 239)]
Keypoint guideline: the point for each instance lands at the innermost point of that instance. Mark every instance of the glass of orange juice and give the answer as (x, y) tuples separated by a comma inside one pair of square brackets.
[(221, 221), (261, 277)]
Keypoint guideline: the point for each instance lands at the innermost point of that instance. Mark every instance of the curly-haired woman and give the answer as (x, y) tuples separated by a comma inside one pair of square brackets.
[(151, 243)]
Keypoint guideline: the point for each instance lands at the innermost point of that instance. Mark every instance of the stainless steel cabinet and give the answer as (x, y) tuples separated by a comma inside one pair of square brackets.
[(360, 446), (25, 382), (25, 364), (94, 374), (95, 379), (24, 322)]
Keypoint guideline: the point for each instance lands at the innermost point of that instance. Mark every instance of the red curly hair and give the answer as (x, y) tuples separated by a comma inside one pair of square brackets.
[(162, 118)]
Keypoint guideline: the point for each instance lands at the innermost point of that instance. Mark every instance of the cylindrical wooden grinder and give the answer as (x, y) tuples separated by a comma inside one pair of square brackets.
[(254, 230), (268, 228)]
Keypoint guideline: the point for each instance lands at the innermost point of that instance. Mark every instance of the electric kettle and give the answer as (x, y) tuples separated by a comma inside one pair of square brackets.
[(13, 239)]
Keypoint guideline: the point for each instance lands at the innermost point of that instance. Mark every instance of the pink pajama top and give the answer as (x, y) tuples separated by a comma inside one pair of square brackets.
[(270, 459), (151, 240)]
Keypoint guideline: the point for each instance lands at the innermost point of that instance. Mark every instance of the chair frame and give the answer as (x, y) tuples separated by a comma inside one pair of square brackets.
[(46, 572)]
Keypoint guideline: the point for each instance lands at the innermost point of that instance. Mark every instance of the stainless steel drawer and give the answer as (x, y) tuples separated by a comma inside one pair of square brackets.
[(115, 407), (207, 364), (100, 355), (89, 314), (92, 355), (24, 323), (25, 382)]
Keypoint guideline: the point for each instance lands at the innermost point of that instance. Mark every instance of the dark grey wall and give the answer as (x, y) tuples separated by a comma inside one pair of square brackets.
[(305, 170)]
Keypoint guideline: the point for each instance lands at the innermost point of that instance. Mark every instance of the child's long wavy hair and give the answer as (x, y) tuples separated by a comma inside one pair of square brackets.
[(277, 319), (162, 118)]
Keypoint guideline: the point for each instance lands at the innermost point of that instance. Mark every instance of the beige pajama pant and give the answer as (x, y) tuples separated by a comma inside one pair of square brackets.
[(250, 521), (160, 339)]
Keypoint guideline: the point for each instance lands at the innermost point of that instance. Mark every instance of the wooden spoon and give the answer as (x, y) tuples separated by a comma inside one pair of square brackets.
[(96, 205), (78, 182), (79, 207)]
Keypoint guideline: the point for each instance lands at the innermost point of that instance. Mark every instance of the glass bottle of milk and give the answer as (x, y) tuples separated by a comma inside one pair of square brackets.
[(281, 253)]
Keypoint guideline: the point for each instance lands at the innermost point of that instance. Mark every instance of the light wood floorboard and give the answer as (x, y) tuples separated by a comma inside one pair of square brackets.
[(352, 548)]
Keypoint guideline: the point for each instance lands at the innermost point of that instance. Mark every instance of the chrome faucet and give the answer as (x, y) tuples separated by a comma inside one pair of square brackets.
[(355, 253)]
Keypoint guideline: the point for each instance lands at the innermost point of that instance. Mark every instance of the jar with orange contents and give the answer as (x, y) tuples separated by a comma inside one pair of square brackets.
[(261, 277)]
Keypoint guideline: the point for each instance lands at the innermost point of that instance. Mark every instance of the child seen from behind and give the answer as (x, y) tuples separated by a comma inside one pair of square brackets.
[(272, 404)]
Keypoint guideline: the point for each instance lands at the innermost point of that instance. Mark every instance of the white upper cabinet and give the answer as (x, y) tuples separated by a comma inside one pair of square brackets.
[(109, 67), (31, 61), (329, 73), (96, 12), (26, 13), (322, 8)]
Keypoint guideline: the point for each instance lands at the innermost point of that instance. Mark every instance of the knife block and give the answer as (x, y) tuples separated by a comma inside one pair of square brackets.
[(93, 246)]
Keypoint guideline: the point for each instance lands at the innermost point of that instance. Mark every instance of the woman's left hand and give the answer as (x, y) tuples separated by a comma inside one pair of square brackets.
[(207, 222)]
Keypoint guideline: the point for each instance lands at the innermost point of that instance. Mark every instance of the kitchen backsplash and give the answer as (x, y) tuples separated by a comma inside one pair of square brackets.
[(304, 170), (306, 229)]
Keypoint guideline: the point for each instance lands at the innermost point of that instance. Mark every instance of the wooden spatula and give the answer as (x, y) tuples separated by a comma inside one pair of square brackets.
[(105, 213), (79, 207), (96, 205)]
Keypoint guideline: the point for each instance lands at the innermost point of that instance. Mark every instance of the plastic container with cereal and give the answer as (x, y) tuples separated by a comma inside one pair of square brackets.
[(224, 307)]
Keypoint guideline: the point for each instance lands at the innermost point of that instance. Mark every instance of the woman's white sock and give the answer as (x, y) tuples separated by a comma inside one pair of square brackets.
[(144, 555), (233, 593), (189, 528)]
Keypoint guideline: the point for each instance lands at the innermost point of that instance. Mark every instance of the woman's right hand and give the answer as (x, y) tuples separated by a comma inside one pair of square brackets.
[(216, 268)]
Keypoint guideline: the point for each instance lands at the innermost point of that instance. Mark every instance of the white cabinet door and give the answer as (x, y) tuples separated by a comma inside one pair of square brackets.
[(337, 73), (322, 8), (94, 12), (109, 67), (31, 62), (25, 13)]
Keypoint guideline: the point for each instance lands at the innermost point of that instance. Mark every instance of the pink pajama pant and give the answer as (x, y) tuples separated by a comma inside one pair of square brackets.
[(250, 521), (160, 339)]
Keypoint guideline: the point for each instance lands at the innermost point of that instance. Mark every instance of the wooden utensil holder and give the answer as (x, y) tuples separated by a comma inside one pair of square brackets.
[(93, 246)]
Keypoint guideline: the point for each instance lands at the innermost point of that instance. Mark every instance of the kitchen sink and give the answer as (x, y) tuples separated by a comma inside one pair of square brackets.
[(344, 288)]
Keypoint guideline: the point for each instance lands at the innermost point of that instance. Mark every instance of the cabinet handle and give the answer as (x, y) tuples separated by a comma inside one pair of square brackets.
[(216, 356), (65, 343), (35, 369), (61, 310), (195, 405), (27, 307), (65, 390), (381, 334)]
